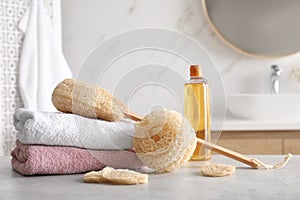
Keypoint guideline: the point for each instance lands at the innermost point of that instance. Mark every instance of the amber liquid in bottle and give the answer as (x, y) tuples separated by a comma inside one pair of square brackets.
[(197, 110)]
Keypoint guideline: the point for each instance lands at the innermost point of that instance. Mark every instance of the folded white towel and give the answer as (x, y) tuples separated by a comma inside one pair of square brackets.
[(53, 128)]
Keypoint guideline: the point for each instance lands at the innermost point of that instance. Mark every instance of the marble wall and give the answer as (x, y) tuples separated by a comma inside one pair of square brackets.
[(86, 23)]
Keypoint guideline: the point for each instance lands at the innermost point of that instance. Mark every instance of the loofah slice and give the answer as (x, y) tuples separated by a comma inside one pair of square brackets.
[(124, 176), (116, 176), (94, 177), (217, 170)]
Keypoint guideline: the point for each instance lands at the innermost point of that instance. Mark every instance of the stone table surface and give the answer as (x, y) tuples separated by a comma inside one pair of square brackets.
[(185, 183)]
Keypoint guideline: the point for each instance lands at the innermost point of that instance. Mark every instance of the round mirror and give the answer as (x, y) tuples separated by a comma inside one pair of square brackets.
[(262, 28)]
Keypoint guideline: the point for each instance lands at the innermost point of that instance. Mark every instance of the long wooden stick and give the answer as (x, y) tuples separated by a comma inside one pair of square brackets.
[(229, 153)]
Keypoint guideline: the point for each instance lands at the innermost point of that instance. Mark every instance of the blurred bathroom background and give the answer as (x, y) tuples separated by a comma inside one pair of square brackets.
[(82, 24)]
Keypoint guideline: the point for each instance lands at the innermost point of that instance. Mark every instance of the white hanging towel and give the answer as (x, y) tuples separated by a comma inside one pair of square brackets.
[(1, 120), (42, 63)]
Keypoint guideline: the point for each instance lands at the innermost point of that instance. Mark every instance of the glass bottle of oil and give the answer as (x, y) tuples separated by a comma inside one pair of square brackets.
[(197, 109)]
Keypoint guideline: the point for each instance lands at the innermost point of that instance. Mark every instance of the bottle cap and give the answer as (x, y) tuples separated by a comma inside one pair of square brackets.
[(195, 70)]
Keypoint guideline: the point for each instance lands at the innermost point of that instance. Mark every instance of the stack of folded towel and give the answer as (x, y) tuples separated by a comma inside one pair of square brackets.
[(61, 143)]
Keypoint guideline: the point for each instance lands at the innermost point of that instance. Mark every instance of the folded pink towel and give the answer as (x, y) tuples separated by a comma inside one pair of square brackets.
[(38, 159)]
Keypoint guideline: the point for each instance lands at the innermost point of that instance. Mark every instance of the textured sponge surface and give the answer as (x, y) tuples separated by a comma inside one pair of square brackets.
[(73, 96), (164, 140)]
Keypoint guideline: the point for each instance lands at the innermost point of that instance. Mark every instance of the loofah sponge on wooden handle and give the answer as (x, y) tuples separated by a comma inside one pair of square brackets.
[(73, 96)]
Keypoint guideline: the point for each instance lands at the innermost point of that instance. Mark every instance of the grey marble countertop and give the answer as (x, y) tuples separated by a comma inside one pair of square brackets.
[(238, 124), (186, 183)]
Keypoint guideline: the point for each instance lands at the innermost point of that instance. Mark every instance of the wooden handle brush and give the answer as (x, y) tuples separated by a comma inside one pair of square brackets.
[(216, 148)]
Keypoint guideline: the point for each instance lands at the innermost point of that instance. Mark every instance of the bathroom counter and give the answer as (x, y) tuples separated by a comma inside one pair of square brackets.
[(236, 124), (186, 183)]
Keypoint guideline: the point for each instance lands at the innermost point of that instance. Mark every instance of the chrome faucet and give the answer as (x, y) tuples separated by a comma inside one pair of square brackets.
[(276, 72)]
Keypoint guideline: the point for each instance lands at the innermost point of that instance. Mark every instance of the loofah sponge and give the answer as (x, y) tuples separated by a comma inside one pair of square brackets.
[(73, 96), (164, 140)]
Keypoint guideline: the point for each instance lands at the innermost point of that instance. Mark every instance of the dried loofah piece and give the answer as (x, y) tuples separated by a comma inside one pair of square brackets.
[(73, 96), (94, 177), (124, 176), (164, 140), (115, 176), (217, 170)]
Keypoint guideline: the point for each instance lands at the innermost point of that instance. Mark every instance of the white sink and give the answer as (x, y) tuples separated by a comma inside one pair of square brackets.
[(275, 107)]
